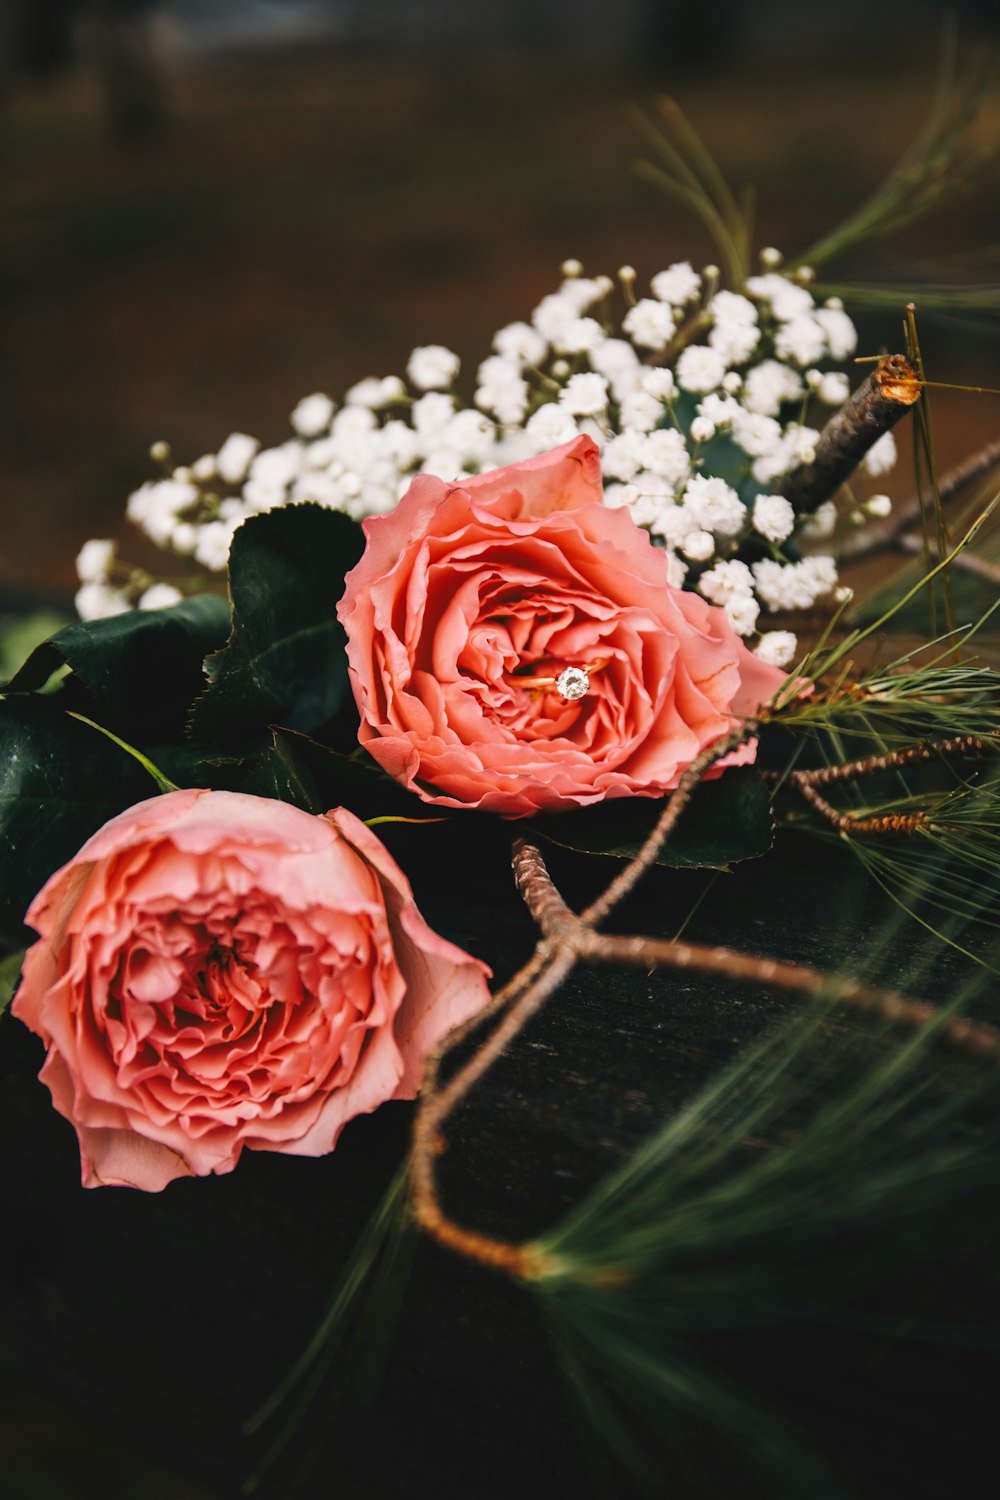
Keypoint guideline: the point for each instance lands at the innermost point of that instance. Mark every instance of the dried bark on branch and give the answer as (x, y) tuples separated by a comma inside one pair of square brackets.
[(875, 407)]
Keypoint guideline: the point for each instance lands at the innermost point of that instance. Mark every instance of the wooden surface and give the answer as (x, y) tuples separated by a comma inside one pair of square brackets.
[(167, 1318)]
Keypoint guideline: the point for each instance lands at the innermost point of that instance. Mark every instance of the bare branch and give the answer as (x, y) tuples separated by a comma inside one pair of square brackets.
[(873, 409), (567, 939)]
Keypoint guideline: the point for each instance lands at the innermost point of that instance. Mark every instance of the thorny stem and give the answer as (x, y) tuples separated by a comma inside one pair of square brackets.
[(889, 392), (568, 938)]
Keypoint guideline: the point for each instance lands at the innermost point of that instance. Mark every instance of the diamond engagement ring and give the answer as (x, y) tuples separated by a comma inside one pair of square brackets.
[(572, 683)]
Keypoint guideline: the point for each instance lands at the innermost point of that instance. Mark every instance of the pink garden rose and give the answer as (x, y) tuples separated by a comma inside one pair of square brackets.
[(471, 602), (217, 971)]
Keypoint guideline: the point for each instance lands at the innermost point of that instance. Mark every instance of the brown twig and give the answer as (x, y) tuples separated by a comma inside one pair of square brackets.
[(568, 938), (557, 921), (874, 408), (525, 994), (806, 782)]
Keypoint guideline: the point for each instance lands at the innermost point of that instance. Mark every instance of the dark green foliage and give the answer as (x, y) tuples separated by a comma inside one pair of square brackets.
[(10, 974), (788, 1195), (285, 660), (728, 820), (60, 780), (135, 673)]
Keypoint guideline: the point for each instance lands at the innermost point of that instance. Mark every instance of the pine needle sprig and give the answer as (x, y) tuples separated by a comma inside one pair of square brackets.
[(938, 164), (353, 1333), (687, 172), (704, 1230)]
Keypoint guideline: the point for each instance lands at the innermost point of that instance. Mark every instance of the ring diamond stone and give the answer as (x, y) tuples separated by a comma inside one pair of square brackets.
[(573, 683)]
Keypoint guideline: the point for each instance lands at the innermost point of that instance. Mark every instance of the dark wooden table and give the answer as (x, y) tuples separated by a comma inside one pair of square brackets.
[(167, 1318)]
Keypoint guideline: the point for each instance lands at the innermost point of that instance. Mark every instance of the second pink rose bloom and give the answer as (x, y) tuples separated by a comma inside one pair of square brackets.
[(471, 602)]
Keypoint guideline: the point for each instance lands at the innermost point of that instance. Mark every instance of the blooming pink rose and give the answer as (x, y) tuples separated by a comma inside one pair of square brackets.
[(466, 588), (217, 971)]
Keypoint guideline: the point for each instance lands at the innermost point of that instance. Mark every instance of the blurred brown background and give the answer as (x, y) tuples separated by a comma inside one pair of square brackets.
[(215, 208)]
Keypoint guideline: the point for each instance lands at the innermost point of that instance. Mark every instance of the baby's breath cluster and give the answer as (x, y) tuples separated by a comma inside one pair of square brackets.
[(702, 401)]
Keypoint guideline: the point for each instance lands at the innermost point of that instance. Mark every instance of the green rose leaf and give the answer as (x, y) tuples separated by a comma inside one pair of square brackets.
[(285, 662), (136, 673), (726, 821), (60, 780), (10, 973)]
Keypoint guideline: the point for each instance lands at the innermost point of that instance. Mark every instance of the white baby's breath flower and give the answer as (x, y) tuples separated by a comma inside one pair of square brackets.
[(582, 292), (160, 596), (756, 434), (734, 341), (768, 385), (96, 601), (432, 367), (312, 415), (699, 546), (773, 517), (507, 399), (432, 413), (585, 395), (820, 525), (701, 430), (700, 369), (640, 412), (664, 452), (277, 467), (787, 300), (777, 648), (794, 585), (881, 456), (550, 426), (582, 336), (833, 388), (650, 324), (520, 344), (471, 434), (184, 538), (677, 285), (841, 334), (714, 504), (742, 611), (234, 457), (802, 339), (553, 315), (721, 411), (618, 362), (94, 560), (659, 383), (212, 546), (730, 307), (676, 570), (622, 457), (204, 468), (878, 505), (729, 579)]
